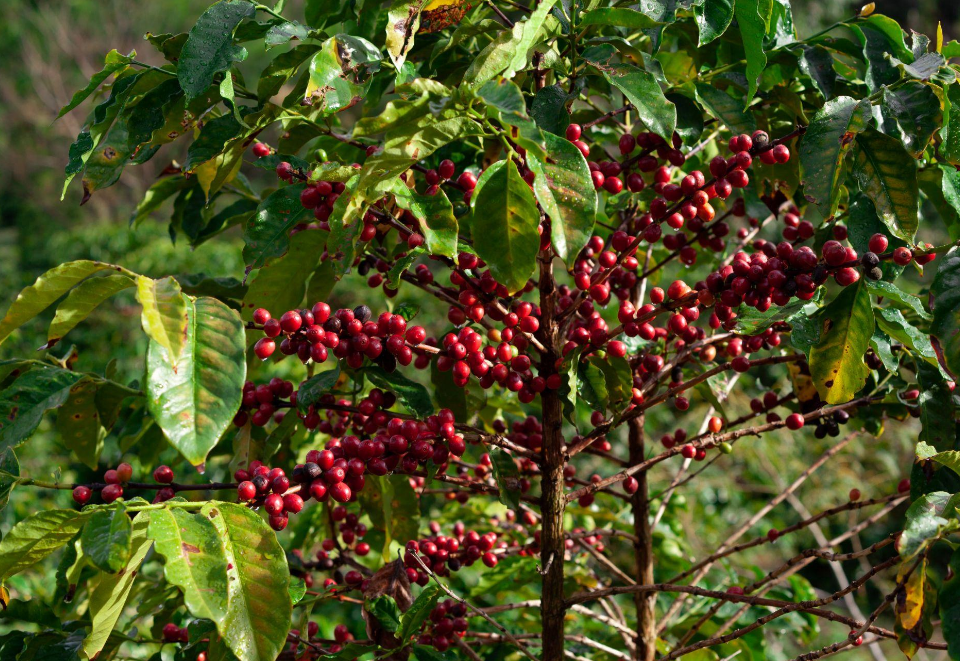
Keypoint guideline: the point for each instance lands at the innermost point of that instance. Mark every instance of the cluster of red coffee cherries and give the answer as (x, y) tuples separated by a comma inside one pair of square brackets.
[(447, 619), (443, 554)]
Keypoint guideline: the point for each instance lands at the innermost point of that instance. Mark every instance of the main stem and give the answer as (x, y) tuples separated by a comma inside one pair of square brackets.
[(552, 500), (643, 550)]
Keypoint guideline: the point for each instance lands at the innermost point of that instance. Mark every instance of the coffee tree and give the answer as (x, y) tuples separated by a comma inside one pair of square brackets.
[(517, 275)]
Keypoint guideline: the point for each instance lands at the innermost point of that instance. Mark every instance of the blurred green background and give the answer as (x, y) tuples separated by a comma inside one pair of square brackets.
[(50, 48)]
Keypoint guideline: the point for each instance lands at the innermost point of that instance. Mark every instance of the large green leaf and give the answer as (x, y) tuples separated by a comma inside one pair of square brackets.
[(592, 385), (282, 282), (642, 90), (268, 232), (887, 174), (904, 300), (194, 560), (109, 596), (936, 408), (316, 386), (435, 213), (713, 18), (507, 53), (565, 191), (23, 404), (912, 113), (259, 608), (195, 401), (824, 146), (750, 18), (36, 537), (46, 290), (393, 508), (79, 424), (106, 539), (945, 301), (619, 17), (504, 223), (725, 108), (209, 48), (82, 300), (164, 315), (410, 393), (113, 63), (925, 519), (836, 361)]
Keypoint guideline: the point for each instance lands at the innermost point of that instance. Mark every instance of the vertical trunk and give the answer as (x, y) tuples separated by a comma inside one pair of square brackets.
[(552, 493), (643, 549)]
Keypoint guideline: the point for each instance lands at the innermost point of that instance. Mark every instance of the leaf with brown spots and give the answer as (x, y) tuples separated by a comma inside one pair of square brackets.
[(836, 361)]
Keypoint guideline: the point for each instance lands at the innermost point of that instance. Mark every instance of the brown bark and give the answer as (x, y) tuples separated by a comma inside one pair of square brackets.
[(643, 551)]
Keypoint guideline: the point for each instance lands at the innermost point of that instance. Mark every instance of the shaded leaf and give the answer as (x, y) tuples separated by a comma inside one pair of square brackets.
[(106, 539), (836, 361), (887, 174), (23, 404), (209, 48)]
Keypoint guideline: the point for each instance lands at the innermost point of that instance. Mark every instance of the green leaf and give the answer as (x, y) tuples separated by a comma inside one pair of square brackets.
[(549, 109), (949, 600), (836, 361), (752, 31), (113, 63), (621, 17), (945, 301), (642, 90), (752, 322), (936, 408), (435, 213), (911, 113), (157, 194), (213, 138), (393, 508), (109, 596), (81, 301), (882, 346), (713, 18), (887, 174), (862, 223), (416, 615), (195, 401), (36, 537), (268, 233), (209, 48), (9, 474), (893, 323), (282, 282), (565, 191), (892, 292), (79, 424), (507, 53), (281, 69), (385, 609), (592, 385), (447, 393), (105, 539), (403, 21), (259, 608), (726, 109), (504, 223), (194, 560), (46, 290), (950, 148), (411, 394), (825, 145), (23, 404), (316, 386), (507, 476), (925, 519), (331, 88), (164, 315)]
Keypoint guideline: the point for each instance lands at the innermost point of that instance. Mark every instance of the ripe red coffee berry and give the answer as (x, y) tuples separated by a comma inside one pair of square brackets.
[(291, 321), (124, 472), (171, 632), (467, 181), (81, 495), (878, 243), (261, 316), (163, 474), (111, 492), (902, 256), (573, 132), (246, 490), (795, 421), (854, 494), (630, 485)]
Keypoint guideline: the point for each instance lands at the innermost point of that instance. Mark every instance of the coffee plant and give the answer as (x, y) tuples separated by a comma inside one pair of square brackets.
[(517, 274)]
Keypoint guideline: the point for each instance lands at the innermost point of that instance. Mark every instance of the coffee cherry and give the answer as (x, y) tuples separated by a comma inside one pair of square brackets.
[(467, 181), (773, 534), (124, 473), (902, 256), (795, 421), (111, 492), (573, 132), (260, 149), (630, 485), (291, 321), (163, 474), (246, 490), (878, 243), (171, 632), (81, 495), (261, 316), (903, 486), (489, 559), (854, 494)]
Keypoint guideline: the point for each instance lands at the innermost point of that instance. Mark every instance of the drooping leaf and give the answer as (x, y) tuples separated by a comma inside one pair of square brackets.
[(726, 109), (106, 539), (643, 91), (507, 476), (549, 109), (81, 301), (713, 18), (46, 290), (945, 301), (164, 315), (268, 233), (836, 361), (565, 191), (410, 393), (887, 174), (913, 114), (504, 222), (23, 404), (751, 18), (925, 518), (435, 213), (622, 17), (194, 560), (113, 63), (195, 401), (891, 292), (36, 537), (209, 48), (825, 144), (79, 424), (109, 596)]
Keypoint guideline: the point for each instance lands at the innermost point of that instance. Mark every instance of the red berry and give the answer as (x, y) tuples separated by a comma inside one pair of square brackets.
[(903, 486), (878, 243), (260, 149), (574, 131), (171, 632), (446, 168), (795, 421), (902, 256), (291, 321), (630, 485), (124, 473), (264, 348), (81, 495), (246, 490), (111, 492), (261, 315), (163, 474), (854, 494), (467, 181)]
